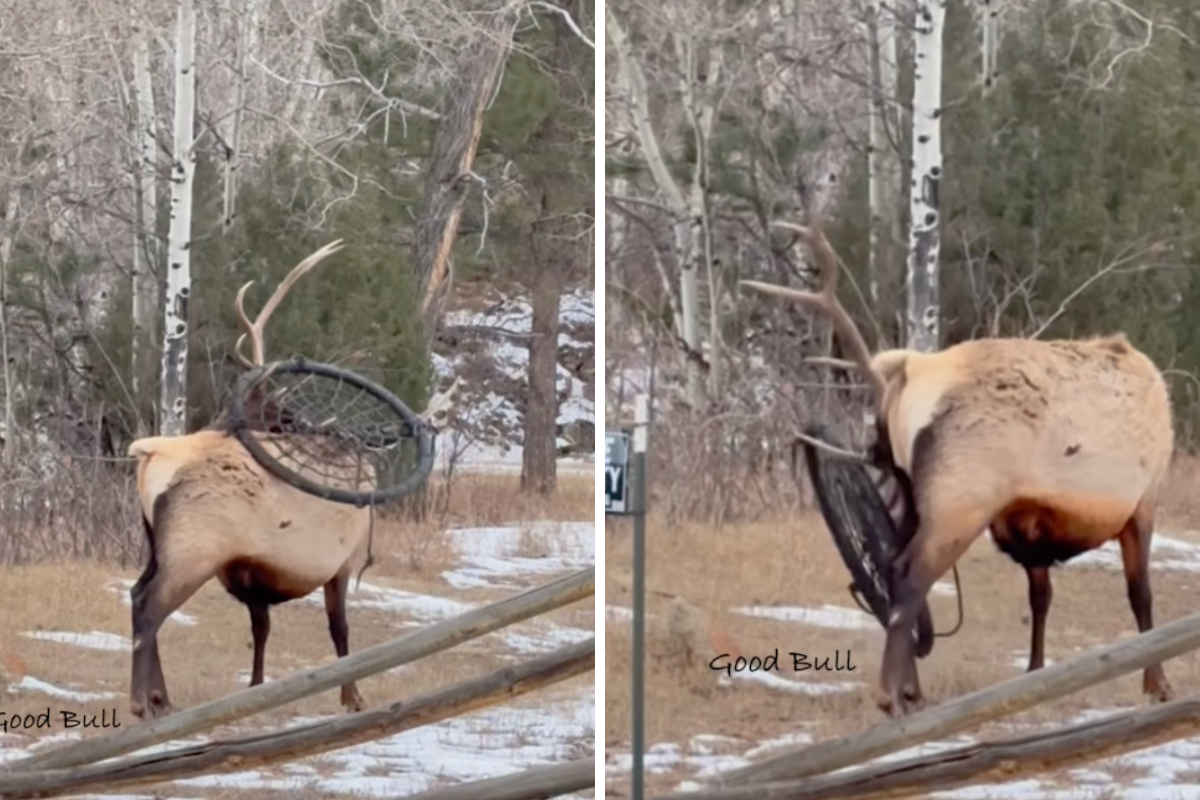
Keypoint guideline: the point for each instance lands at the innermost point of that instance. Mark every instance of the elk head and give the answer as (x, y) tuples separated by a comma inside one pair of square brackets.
[(436, 415), (827, 302), (260, 408)]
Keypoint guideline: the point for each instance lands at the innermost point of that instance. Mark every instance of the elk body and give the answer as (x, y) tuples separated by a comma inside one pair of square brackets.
[(1056, 447), (211, 510)]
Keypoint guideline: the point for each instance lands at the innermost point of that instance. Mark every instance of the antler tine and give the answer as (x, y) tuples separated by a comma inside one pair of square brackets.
[(248, 330), (254, 330), (240, 357), (826, 300)]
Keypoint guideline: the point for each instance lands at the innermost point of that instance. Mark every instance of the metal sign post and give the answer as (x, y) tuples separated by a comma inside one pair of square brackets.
[(619, 477)]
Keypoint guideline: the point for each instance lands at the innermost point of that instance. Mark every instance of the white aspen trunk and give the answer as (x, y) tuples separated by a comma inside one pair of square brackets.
[(990, 10), (883, 167), (922, 288), (687, 228), (688, 253), (145, 244), (8, 438), (875, 144), (703, 113), (698, 242), (247, 42), (616, 229), (173, 403)]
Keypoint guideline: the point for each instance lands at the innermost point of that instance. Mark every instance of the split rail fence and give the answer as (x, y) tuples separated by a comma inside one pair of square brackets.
[(838, 768), (77, 767)]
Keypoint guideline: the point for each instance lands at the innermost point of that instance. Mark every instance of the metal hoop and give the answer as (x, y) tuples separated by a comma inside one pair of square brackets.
[(857, 518), (416, 427)]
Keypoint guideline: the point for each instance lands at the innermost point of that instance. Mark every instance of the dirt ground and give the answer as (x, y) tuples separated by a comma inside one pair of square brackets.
[(695, 725), (207, 649)]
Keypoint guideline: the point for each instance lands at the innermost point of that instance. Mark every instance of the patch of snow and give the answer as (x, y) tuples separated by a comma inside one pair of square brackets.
[(96, 640), (495, 420), (490, 555), (1090, 776), (768, 746), (551, 637), (944, 589), (825, 617), (485, 744), (706, 742), (1166, 553), (659, 758), (30, 683), (123, 797), (1020, 660), (1015, 790), (532, 637), (618, 613), (1158, 769), (811, 688), (122, 586), (416, 608)]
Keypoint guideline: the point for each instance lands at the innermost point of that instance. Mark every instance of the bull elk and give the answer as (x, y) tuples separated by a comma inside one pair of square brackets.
[(1056, 447), (210, 510)]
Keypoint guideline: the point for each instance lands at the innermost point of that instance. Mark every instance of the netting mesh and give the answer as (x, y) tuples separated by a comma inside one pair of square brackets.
[(330, 432)]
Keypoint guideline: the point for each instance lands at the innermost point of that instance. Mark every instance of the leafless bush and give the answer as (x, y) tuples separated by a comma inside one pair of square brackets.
[(70, 507), (740, 460)]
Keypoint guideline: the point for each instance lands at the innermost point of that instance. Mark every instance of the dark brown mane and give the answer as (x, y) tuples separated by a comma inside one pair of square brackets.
[(265, 416)]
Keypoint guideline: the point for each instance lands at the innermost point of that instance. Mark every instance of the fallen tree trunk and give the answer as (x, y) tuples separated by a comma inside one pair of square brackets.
[(538, 783), (1004, 699), (238, 755), (379, 658), (987, 763)]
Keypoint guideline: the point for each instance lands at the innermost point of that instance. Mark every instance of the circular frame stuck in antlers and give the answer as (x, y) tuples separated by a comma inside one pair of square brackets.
[(331, 432), (857, 518)]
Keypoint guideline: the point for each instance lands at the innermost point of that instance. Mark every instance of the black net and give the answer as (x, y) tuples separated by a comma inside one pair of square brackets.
[(331, 432), (862, 528)]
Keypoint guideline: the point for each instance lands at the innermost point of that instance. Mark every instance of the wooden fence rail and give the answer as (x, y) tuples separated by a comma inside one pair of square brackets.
[(538, 783), (238, 755), (988, 762), (379, 658), (1012, 696)]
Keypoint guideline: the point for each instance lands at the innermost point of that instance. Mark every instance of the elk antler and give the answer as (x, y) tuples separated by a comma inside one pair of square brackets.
[(255, 330), (826, 300)]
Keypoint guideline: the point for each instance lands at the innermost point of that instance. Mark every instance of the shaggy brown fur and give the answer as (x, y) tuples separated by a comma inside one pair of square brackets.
[(210, 510), (1056, 447)]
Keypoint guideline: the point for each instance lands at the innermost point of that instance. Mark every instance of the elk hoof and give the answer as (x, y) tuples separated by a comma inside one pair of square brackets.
[(353, 702), (156, 706), (900, 704), (1161, 693)]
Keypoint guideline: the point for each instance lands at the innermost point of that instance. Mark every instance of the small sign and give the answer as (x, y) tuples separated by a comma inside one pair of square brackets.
[(616, 472)]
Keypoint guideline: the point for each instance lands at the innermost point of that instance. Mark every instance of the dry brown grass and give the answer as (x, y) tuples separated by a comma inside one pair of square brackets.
[(213, 657), (792, 562)]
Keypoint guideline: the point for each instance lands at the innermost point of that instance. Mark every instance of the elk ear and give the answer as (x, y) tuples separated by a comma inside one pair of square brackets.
[(890, 364)]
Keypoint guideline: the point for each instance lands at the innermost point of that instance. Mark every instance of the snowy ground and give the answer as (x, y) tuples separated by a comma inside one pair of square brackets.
[(543, 728), (491, 419), (1169, 771)]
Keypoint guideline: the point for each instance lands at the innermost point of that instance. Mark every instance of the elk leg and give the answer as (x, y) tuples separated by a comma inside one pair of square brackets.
[(156, 595), (1040, 594), (260, 626), (339, 631), (943, 535), (1135, 554)]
